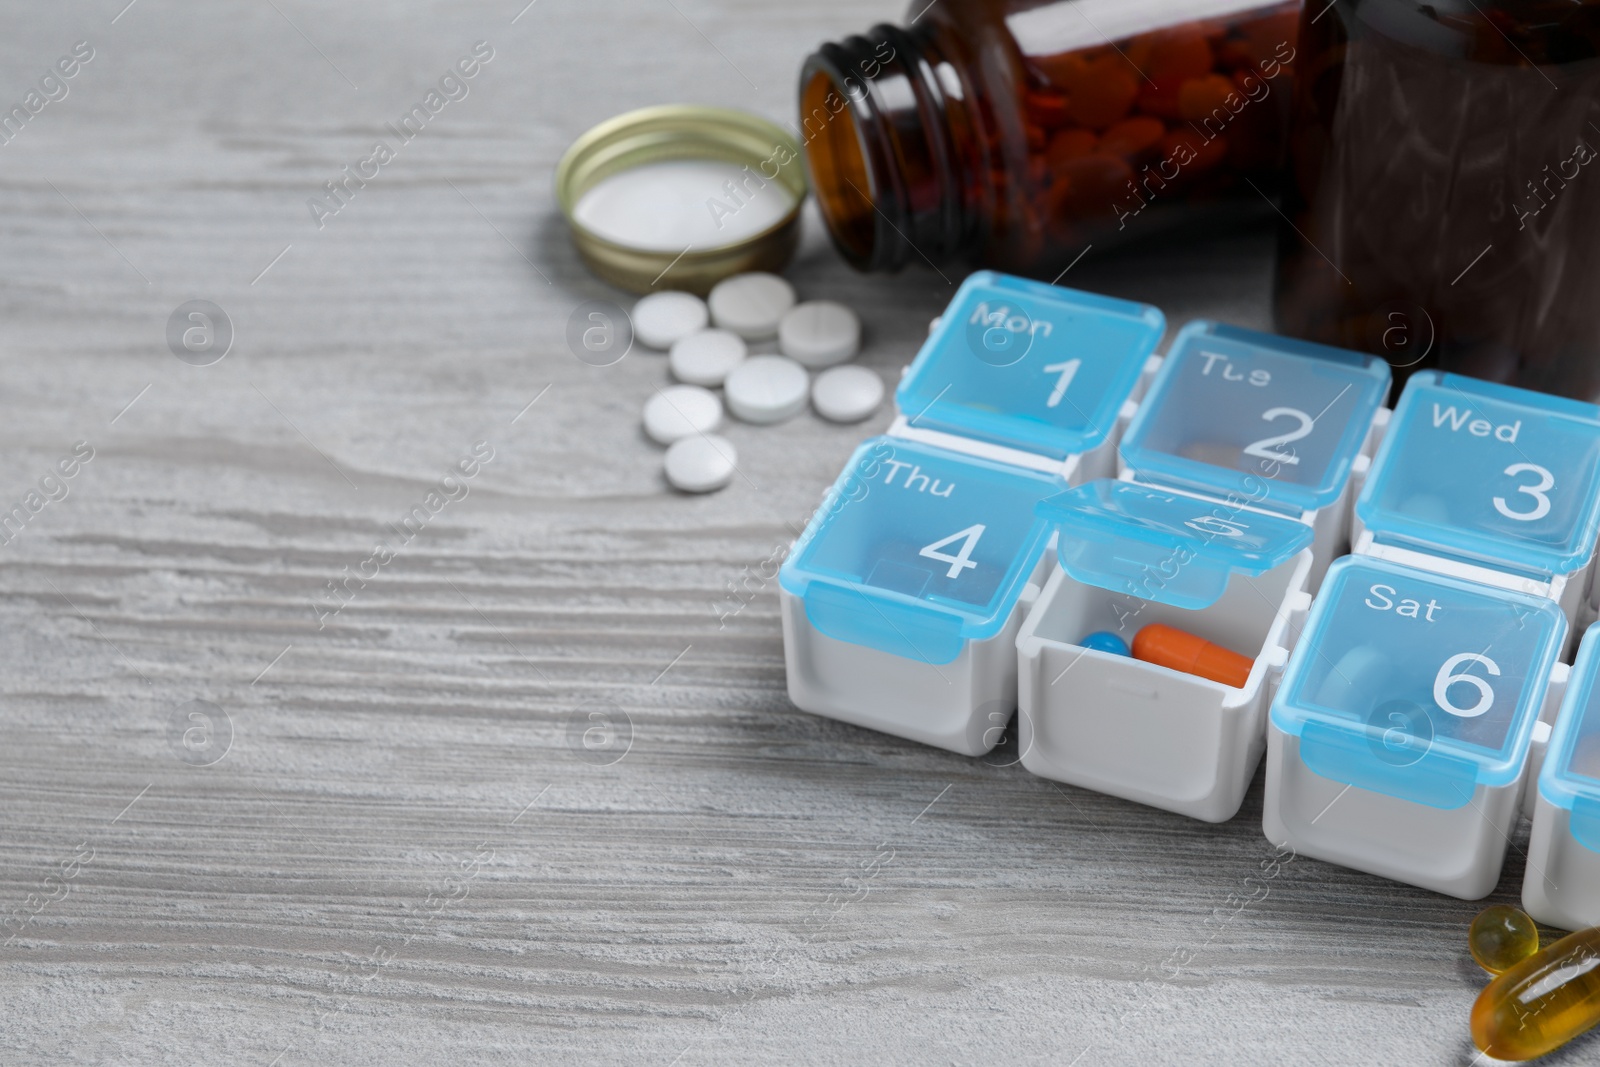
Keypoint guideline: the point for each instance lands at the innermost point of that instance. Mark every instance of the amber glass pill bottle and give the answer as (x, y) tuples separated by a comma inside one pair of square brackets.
[(1443, 207), (1015, 134)]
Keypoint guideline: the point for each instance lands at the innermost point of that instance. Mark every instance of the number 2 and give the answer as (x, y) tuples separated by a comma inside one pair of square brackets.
[(1266, 448), (1066, 370), (961, 560), (1541, 506)]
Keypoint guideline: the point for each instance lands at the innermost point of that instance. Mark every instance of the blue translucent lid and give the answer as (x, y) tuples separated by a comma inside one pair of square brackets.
[(917, 550), (1276, 420), (1029, 365), (1169, 547), (1571, 775), (1488, 473), (1415, 685)]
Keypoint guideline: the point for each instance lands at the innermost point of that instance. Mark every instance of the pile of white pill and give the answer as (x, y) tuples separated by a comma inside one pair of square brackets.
[(708, 347)]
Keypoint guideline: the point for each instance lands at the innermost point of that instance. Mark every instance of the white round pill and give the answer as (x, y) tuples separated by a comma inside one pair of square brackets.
[(705, 358), (751, 305), (933, 323), (766, 389), (819, 333), (846, 394), (700, 464), (680, 411), (662, 318)]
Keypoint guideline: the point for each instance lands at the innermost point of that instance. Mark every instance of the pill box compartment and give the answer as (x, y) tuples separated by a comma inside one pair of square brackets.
[(1036, 371), (1278, 421), (1490, 475), (1561, 884), (1399, 737), (902, 600), (1131, 555)]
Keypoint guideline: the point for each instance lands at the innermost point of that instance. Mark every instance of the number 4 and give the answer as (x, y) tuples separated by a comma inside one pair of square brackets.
[(960, 561)]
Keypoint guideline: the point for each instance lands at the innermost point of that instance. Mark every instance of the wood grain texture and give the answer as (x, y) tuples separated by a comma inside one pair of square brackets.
[(405, 856)]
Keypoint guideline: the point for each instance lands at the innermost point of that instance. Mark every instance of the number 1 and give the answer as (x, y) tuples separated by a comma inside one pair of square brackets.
[(960, 561), (1066, 370)]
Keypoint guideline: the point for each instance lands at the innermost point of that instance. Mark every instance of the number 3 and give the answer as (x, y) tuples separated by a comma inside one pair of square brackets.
[(1541, 506), (960, 561)]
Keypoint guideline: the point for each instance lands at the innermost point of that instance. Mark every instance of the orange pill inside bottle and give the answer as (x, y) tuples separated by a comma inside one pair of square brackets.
[(1015, 134)]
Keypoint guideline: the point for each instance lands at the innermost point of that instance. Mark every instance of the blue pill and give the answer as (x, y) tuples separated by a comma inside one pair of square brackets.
[(1106, 641)]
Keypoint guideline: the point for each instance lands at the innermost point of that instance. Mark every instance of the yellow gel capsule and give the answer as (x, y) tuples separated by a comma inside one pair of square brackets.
[(1502, 937), (1543, 1002)]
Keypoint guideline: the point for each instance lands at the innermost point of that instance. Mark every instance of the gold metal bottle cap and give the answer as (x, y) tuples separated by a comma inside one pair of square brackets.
[(682, 132)]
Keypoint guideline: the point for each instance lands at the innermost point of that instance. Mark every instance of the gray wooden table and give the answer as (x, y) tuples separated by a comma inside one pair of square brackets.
[(535, 790)]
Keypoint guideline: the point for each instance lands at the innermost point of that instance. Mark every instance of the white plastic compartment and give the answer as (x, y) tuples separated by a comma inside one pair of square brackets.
[(1399, 739), (1561, 884), (1491, 475), (1133, 729), (1278, 421), (902, 600), (963, 705)]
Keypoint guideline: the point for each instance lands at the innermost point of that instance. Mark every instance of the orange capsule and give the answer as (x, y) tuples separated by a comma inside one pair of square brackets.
[(1541, 1003), (1168, 646)]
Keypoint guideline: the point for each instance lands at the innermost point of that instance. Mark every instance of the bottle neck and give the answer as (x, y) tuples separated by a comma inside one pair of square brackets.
[(876, 122)]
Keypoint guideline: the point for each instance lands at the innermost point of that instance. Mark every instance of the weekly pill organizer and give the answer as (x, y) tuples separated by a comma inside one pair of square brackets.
[(1406, 585)]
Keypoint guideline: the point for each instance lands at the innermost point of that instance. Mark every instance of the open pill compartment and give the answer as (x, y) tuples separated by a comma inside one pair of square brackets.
[(1234, 413), (1561, 885), (1132, 554), (1488, 475), (902, 599), (1400, 735)]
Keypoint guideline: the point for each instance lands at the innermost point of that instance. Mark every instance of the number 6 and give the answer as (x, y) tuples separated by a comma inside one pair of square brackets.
[(1444, 680)]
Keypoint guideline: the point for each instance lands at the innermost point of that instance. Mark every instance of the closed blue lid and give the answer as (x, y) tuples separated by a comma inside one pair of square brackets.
[(1488, 473), (1416, 685), (1029, 366), (917, 550), (1237, 411), (1160, 545), (1571, 775)]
